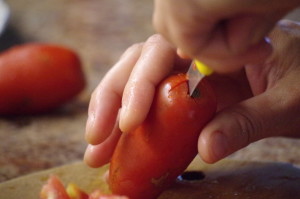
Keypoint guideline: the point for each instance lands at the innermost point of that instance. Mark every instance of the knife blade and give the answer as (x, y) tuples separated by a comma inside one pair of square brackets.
[(197, 71)]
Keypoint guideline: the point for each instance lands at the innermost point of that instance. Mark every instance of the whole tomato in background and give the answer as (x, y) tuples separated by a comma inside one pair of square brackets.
[(36, 77), (149, 159)]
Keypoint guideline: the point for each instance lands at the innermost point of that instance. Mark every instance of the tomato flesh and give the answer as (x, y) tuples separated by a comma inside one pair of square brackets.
[(54, 189)]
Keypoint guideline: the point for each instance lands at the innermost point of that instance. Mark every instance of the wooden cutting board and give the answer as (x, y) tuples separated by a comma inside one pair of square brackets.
[(225, 179)]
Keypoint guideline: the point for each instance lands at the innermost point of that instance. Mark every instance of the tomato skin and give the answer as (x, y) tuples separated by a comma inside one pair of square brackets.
[(38, 77), (149, 159)]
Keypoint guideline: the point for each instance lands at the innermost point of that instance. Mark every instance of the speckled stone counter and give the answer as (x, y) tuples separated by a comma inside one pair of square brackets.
[(100, 31)]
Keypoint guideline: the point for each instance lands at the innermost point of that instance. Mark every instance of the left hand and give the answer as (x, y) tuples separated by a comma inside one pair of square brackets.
[(224, 34), (129, 84)]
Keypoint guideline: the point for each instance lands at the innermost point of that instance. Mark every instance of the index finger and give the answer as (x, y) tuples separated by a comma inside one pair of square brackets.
[(155, 63)]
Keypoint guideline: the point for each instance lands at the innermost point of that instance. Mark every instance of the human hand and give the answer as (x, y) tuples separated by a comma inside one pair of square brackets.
[(220, 32), (272, 107), (253, 104), (131, 84)]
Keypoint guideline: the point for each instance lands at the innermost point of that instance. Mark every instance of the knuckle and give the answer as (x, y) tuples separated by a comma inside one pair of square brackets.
[(154, 40), (155, 46), (249, 124), (131, 49), (135, 46)]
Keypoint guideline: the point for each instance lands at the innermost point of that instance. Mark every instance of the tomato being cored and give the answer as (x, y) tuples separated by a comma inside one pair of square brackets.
[(147, 160)]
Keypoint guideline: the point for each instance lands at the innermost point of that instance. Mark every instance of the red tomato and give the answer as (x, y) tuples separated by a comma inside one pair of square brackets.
[(149, 159), (54, 189), (38, 77)]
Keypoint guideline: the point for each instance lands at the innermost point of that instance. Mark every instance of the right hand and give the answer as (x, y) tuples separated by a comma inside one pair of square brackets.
[(220, 32)]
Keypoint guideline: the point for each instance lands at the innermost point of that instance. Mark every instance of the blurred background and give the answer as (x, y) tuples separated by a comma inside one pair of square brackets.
[(99, 30)]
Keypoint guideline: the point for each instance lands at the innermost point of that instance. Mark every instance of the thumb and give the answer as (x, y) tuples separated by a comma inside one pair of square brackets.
[(266, 115)]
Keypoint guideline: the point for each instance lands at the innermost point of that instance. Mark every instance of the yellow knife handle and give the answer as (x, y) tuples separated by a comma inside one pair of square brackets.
[(203, 69)]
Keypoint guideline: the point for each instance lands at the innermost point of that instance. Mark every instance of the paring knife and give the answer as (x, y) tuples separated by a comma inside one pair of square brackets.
[(195, 74)]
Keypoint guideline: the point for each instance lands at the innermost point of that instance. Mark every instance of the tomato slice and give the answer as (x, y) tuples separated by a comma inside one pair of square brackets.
[(54, 189), (74, 192)]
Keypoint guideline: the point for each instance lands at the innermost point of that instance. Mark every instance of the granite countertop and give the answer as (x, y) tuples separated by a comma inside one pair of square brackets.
[(100, 31)]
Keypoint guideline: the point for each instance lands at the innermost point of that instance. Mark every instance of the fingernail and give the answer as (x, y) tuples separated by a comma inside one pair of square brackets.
[(86, 157), (89, 125), (123, 115), (88, 130), (220, 145), (91, 114), (181, 54), (123, 112), (126, 120), (90, 156)]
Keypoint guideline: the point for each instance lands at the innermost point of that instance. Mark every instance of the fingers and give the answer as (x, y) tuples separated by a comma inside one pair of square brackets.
[(155, 62), (226, 63), (273, 113), (130, 84), (183, 30), (99, 155), (224, 35), (106, 99)]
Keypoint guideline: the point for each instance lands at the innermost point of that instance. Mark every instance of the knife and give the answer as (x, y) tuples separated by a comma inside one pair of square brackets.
[(195, 74)]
